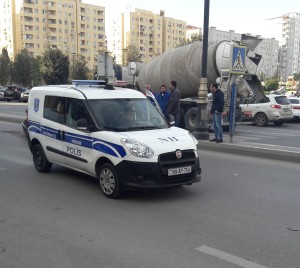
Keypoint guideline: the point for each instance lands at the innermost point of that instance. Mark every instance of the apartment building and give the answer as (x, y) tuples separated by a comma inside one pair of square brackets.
[(289, 56), (152, 34), (174, 31), (116, 41), (215, 35), (76, 28), (268, 66), (191, 30)]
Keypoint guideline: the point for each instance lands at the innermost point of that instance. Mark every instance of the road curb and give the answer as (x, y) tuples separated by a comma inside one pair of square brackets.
[(267, 151)]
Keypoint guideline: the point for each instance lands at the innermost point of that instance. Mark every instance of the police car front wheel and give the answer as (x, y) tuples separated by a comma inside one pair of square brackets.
[(109, 181), (40, 160)]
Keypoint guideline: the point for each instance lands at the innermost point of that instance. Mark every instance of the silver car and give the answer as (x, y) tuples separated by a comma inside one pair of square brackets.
[(295, 101), (24, 96), (2, 92)]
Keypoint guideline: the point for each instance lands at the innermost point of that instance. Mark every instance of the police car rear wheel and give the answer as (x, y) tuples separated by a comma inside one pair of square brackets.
[(109, 181), (40, 160)]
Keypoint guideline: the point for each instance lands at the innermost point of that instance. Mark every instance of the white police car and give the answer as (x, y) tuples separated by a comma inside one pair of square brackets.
[(114, 134)]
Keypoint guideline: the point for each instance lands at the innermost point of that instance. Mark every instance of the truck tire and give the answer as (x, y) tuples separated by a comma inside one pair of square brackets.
[(109, 181), (182, 118), (191, 119), (260, 120), (40, 160)]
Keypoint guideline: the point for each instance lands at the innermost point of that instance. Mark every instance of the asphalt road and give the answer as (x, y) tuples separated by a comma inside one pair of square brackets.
[(238, 216), (13, 107)]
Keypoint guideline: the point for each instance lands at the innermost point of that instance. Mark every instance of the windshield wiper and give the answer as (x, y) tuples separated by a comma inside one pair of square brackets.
[(114, 128), (144, 128)]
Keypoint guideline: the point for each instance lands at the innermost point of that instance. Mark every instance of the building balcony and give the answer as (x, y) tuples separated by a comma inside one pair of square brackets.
[(31, 1)]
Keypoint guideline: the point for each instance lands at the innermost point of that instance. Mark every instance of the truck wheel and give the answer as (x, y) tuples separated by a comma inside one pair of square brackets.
[(191, 119), (182, 117), (109, 181), (278, 123), (260, 120), (40, 160)]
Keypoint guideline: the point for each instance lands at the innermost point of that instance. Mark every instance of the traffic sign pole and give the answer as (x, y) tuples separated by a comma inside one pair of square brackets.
[(232, 107), (237, 67)]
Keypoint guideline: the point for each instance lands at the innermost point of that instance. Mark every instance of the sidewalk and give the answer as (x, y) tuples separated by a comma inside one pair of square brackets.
[(269, 151)]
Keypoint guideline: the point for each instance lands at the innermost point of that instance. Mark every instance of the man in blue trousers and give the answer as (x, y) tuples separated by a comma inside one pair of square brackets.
[(216, 111)]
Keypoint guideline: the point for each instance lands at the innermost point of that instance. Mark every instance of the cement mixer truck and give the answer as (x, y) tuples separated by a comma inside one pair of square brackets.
[(183, 64)]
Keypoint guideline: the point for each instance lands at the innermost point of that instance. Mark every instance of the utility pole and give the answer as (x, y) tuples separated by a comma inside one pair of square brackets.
[(201, 130)]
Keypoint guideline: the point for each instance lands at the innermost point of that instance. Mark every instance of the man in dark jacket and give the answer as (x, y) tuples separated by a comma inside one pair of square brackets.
[(216, 111), (174, 103)]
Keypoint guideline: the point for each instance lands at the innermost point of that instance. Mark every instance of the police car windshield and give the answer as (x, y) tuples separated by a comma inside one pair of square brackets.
[(127, 114)]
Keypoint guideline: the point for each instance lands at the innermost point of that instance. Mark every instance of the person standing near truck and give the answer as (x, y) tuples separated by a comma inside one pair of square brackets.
[(174, 103), (163, 98), (216, 111)]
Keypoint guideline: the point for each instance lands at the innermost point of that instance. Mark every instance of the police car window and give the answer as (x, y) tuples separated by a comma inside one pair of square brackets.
[(54, 108), (127, 114), (75, 111)]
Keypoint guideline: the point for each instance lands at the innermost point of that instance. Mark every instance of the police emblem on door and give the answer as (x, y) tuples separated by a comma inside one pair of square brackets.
[(36, 104)]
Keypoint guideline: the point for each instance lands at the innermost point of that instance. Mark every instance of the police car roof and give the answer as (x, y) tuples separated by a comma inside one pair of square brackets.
[(90, 92)]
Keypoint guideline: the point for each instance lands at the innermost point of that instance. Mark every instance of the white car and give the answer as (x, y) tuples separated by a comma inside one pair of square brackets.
[(295, 101), (273, 108)]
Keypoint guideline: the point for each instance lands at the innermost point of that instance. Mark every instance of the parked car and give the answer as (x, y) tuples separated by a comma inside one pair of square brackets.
[(272, 108), (14, 93), (24, 96), (2, 89), (295, 101)]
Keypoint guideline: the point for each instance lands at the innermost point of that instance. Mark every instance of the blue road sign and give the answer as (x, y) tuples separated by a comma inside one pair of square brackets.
[(238, 59)]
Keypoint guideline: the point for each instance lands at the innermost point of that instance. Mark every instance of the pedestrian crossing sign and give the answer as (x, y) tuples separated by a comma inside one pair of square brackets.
[(238, 59)]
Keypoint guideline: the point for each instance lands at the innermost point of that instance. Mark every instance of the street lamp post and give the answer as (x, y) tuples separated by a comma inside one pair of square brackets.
[(201, 128)]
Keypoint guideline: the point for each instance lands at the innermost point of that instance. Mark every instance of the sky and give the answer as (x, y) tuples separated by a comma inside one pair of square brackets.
[(239, 15)]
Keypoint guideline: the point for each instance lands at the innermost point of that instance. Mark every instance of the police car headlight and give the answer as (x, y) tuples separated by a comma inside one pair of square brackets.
[(194, 139), (137, 148)]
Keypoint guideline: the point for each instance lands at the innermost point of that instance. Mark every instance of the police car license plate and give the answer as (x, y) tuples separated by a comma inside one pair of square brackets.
[(178, 171)]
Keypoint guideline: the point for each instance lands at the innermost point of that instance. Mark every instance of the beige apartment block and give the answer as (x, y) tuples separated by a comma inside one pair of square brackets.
[(152, 34), (174, 31), (76, 28)]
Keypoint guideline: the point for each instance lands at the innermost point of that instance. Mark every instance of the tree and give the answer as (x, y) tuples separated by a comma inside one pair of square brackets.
[(55, 67), (271, 84), (37, 76), (79, 69), (132, 54), (194, 38), (22, 71), (4, 67)]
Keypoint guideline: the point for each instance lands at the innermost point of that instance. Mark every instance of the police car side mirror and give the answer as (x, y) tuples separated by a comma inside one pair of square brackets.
[(82, 124), (170, 119)]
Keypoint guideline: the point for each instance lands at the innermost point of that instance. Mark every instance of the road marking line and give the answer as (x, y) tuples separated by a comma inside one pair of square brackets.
[(228, 257)]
